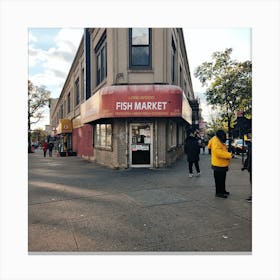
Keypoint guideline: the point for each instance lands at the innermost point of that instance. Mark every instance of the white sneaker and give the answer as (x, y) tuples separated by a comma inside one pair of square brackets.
[(198, 174), (190, 175)]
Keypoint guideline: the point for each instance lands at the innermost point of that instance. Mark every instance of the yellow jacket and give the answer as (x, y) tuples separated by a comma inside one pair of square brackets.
[(220, 157)]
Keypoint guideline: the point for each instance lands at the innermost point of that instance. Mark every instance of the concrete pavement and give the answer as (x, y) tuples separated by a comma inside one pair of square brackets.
[(77, 206)]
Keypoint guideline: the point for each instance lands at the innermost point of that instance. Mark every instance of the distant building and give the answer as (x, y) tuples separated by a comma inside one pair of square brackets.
[(128, 98), (48, 129)]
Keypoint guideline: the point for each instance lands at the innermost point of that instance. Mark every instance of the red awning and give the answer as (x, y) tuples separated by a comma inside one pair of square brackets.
[(136, 101)]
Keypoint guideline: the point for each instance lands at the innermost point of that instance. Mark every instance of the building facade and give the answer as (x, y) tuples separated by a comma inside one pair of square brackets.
[(128, 99)]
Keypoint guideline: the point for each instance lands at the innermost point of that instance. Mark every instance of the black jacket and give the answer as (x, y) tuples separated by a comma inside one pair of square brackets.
[(192, 149), (248, 162)]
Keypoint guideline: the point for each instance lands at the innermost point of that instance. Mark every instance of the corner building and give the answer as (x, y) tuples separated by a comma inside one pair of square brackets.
[(126, 100)]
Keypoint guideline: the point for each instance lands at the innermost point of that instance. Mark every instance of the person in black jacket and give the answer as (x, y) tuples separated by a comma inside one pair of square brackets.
[(192, 149), (248, 165), (50, 147)]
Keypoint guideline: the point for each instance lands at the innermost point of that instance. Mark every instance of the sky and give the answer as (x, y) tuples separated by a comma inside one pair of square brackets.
[(201, 43), (52, 50)]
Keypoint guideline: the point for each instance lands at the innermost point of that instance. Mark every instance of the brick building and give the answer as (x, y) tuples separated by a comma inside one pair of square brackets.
[(128, 98)]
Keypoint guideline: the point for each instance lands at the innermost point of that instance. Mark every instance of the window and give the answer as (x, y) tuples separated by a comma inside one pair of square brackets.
[(83, 84), (181, 77), (77, 92), (69, 103), (61, 111), (173, 56), (103, 136), (101, 59), (172, 134), (140, 48), (64, 106)]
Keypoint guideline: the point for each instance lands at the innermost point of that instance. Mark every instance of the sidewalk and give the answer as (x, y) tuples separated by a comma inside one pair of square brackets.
[(77, 206)]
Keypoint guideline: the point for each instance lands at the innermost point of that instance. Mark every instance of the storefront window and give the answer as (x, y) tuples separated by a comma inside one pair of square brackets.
[(172, 134), (103, 136)]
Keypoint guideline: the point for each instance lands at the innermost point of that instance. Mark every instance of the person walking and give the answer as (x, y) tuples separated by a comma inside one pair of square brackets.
[(192, 149), (220, 160), (50, 147), (248, 165), (45, 148), (203, 145)]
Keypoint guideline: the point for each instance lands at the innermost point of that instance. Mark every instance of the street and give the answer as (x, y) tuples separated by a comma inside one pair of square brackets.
[(78, 206)]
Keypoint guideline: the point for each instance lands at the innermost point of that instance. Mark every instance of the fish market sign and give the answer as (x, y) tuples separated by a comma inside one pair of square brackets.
[(140, 106)]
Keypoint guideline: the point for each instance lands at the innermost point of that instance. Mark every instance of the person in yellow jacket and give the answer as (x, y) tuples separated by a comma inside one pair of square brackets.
[(220, 160)]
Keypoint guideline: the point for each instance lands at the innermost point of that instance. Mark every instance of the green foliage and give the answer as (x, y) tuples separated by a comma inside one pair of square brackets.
[(216, 123), (229, 85), (38, 135)]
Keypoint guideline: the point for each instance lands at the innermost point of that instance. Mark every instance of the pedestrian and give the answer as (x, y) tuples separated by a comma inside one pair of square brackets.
[(192, 150), (220, 160), (45, 148), (248, 165), (50, 147), (203, 145)]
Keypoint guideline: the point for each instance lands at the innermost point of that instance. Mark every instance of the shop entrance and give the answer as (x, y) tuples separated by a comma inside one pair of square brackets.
[(141, 145)]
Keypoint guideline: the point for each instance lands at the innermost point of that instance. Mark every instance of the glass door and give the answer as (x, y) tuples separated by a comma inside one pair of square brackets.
[(141, 145)]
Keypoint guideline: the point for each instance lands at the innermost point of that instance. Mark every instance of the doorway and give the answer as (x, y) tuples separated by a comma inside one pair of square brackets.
[(141, 145)]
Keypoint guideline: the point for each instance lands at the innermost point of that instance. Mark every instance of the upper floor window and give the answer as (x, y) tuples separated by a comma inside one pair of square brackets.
[(77, 92), (140, 48), (101, 59), (69, 103), (181, 77), (83, 84), (61, 111), (173, 57)]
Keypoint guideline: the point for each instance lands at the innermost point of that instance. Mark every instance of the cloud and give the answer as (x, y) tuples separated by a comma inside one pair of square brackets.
[(31, 38), (55, 61)]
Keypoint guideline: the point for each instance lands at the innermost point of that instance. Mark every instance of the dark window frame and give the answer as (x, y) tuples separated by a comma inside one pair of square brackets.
[(69, 102), (61, 111), (83, 84), (101, 59), (173, 62), (77, 91), (149, 45)]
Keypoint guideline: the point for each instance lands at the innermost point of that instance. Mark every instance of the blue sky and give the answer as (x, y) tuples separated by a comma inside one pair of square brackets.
[(51, 53), (52, 50)]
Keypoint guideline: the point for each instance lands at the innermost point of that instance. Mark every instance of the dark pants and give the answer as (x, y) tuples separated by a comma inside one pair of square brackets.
[(191, 166), (50, 152), (45, 152), (220, 181)]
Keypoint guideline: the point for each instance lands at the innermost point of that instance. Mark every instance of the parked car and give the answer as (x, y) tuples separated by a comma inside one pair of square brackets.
[(239, 146), (227, 143)]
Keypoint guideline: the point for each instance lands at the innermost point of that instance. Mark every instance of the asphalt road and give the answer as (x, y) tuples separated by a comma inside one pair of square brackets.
[(78, 206)]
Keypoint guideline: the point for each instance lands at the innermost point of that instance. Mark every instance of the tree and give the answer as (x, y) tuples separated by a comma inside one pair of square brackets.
[(213, 125), (229, 85), (38, 135), (38, 98)]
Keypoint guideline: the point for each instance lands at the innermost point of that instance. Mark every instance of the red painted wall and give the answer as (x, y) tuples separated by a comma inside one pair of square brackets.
[(83, 140)]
